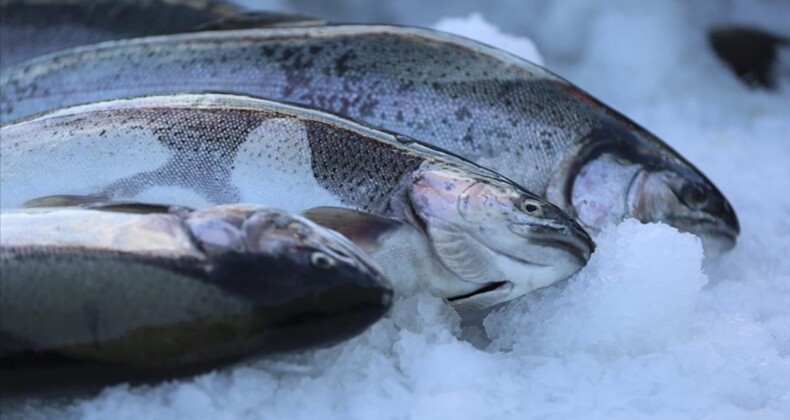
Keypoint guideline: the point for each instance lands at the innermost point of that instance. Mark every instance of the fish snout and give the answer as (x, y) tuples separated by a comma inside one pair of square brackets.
[(581, 239), (730, 220), (569, 232), (722, 235)]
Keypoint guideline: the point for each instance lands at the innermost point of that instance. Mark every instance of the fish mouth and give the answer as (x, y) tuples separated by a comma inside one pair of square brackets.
[(579, 246), (523, 261), (580, 254), (493, 286), (490, 287), (710, 231), (719, 233)]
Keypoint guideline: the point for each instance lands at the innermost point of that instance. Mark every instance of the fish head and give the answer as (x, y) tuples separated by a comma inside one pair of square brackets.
[(624, 171), (672, 190), (499, 239), (310, 282), (270, 231), (617, 169), (689, 202)]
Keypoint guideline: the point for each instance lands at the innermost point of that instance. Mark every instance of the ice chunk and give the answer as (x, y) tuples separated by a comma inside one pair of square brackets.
[(637, 295)]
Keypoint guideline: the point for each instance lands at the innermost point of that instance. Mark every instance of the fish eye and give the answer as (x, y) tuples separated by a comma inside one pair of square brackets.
[(531, 207), (695, 195), (321, 260)]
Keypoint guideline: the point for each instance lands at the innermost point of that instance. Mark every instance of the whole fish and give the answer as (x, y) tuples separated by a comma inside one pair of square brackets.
[(479, 102), (34, 27), (132, 291), (493, 239)]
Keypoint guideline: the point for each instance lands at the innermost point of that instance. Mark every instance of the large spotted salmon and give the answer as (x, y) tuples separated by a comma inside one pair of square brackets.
[(500, 111)]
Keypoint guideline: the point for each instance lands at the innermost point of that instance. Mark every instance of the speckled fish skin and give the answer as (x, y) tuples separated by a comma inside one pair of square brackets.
[(162, 292), (33, 27), (198, 150), (496, 109)]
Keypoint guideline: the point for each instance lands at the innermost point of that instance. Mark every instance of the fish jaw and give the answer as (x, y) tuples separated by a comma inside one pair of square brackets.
[(488, 231)]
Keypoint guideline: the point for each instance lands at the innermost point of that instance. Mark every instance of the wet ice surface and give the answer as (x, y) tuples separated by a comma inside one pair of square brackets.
[(648, 329)]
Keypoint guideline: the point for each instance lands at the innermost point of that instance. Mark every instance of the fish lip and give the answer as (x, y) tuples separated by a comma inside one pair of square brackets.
[(580, 245), (717, 236), (493, 286), (728, 234), (726, 241), (708, 228), (489, 287)]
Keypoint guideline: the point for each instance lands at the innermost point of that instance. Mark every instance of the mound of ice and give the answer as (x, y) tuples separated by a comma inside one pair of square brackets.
[(637, 295)]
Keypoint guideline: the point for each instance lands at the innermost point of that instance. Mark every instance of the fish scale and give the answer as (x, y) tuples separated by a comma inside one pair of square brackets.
[(203, 144), (203, 149), (362, 162), (305, 70), (481, 103)]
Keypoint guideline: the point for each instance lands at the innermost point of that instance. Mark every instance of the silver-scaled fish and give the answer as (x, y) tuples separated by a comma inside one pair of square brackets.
[(494, 240), (34, 27), (128, 292), (484, 104)]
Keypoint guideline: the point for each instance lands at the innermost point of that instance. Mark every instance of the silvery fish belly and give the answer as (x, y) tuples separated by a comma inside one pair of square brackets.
[(483, 238), (155, 292), (484, 104), (34, 27)]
